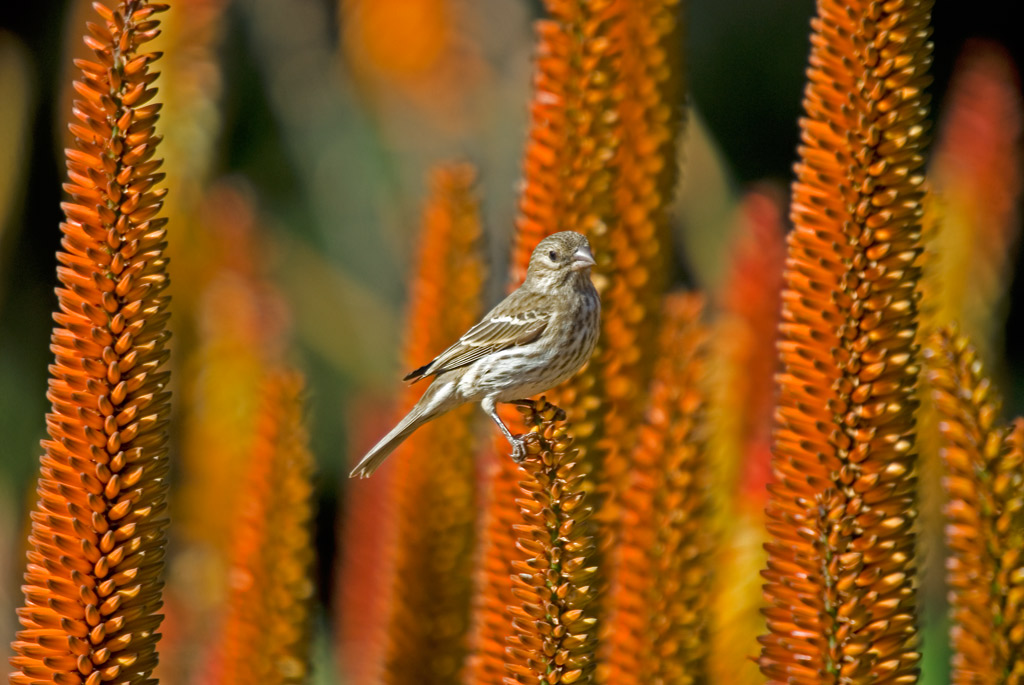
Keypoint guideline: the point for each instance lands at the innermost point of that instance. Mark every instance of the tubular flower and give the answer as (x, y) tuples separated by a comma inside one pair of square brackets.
[(435, 471), (976, 173), (554, 633), (649, 110), (659, 619), (267, 627), (92, 584), (972, 222), (840, 569), (984, 479)]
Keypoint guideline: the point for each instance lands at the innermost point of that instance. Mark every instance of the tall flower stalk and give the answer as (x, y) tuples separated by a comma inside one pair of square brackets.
[(492, 617), (240, 326), (567, 182), (601, 159), (554, 636), (364, 574), (649, 91), (984, 480), (268, 622), (840, 574), (435, 470), (92, 585), (568, 175), (744, 359), (742, 398), (659, 620), (977, 176)]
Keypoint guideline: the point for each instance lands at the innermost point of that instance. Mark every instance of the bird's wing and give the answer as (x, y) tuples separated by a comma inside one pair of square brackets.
[(498, 331)]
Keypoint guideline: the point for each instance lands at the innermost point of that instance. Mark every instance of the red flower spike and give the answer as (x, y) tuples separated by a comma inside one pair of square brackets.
[(976, 176), (743, 367)]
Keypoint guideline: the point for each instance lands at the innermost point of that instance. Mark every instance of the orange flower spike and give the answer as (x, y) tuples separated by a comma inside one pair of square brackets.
[(241, 325), (267, 627), (436, 471), (554, 632), (976, 172), (649, 110), (659, 620), (364, 578), (92, 585), (494, 599), (984, 480), (1008, 486), (445, 296), (840, 574), (573, 137), (569, 176)]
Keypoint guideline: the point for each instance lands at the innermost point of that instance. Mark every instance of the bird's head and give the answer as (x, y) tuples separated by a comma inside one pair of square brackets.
[(559, 258)]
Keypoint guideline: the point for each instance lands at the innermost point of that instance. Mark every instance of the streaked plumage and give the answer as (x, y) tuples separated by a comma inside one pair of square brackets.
[(537, 337)]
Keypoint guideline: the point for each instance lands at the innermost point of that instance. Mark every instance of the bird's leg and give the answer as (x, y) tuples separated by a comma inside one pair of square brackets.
[(518, 445)]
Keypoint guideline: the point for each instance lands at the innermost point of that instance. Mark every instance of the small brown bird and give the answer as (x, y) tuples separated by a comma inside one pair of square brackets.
[(537, 337)]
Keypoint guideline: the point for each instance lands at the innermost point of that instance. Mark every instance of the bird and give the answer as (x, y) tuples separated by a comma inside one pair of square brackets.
[(540, 335)]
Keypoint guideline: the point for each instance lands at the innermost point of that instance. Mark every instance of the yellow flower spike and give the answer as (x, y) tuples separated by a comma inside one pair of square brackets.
[(984, 514)]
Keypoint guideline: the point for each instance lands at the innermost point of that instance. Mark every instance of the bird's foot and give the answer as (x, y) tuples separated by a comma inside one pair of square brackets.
[(519, 446), (518, 449)]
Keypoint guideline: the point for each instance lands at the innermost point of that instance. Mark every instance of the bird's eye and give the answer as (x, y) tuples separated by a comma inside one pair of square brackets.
[(553, 256)]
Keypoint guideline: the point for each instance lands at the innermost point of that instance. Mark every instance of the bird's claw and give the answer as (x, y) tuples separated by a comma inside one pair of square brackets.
[(518, 450), (519, 443)]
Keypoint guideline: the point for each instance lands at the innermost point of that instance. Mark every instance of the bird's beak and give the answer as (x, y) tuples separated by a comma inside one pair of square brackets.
[(582, 258)]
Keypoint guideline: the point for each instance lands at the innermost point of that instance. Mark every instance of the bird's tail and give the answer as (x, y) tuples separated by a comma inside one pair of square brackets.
[(430, 406)]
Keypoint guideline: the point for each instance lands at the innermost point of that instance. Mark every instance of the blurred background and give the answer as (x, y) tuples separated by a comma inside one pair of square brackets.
[(299, 135)]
